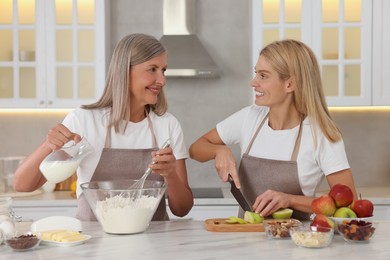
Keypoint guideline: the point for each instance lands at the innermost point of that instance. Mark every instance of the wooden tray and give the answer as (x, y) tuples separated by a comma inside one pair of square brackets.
[(219, 225)]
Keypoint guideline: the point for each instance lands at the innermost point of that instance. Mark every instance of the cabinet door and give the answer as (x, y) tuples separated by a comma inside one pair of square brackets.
[(381, 53), (75, 51), (338, 31), (53, 53), (19, 64)]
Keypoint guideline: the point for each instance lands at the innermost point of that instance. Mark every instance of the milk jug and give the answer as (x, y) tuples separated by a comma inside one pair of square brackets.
[(63, 163)]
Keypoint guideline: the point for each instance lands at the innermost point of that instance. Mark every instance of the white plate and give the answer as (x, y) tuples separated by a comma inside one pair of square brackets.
[(55, 243)]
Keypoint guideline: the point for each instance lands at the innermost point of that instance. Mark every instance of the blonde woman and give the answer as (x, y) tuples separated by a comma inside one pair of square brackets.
[(125, 127), (288, 140)]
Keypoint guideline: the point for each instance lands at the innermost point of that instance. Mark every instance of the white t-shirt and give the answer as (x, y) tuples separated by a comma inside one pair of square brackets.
[(92, 124), (314, 163)]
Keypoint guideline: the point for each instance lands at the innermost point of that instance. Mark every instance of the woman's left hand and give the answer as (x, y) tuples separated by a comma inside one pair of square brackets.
[(270, 201), (164, 163)]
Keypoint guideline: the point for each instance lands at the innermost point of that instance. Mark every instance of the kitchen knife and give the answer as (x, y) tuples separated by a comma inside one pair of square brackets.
[(239, 196)]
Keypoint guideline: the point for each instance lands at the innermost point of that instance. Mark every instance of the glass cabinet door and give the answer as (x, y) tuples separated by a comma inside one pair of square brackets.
[(18, 30), (52, 52), (338, 31)]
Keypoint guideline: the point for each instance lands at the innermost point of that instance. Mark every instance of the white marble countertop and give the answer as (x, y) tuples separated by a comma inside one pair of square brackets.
[(189, 240)]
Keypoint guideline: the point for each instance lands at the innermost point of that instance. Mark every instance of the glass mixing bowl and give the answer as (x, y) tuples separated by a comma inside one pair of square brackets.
[(121, 209)]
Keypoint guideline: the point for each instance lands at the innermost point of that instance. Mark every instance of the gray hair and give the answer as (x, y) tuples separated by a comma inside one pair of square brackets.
[(131, 50)]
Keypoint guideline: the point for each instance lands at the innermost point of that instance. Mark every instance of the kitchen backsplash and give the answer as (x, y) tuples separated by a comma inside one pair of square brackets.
[(365, 134)]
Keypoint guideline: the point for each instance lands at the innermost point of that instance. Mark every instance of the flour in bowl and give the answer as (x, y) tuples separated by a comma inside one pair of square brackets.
[(120, 215)]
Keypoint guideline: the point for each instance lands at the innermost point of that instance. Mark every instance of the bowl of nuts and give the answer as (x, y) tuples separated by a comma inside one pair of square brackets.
[(279, 229), (311, 236), (23, 241), (358, 231)]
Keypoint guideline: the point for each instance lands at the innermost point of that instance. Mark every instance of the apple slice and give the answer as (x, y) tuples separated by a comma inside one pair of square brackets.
[(282, 213), (253, 217), (235, 220)]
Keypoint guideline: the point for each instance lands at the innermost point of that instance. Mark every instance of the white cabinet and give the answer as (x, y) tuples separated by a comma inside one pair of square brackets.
[(202, 213), (36, 213), (53, 52), (381, 53), (381, 212), (348, 37)]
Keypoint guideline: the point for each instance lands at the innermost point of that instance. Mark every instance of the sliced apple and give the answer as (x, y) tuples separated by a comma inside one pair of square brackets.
[(235, 220), (253, 217), (282, 213)]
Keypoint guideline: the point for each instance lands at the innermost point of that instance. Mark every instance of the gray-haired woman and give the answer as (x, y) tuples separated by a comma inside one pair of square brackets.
[(125, 126)]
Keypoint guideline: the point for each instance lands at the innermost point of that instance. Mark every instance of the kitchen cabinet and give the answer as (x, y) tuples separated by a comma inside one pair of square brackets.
[(381, 212), (53, 52), (36, 213), (381, 53), (203, 212), (347, 37)]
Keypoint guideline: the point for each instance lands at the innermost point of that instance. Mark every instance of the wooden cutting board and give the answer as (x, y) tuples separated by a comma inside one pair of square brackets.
[(219, 225)]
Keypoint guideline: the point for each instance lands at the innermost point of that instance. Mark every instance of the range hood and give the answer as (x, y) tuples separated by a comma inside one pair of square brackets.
[(187, 57)]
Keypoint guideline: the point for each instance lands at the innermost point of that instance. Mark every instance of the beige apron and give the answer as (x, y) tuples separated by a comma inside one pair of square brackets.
[(120, 164), (259, 174)]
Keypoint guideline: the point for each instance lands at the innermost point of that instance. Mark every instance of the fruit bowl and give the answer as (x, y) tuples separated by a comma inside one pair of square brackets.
[(311, 236), (121, 209), (22, 241), (356, 231), (279, 229)]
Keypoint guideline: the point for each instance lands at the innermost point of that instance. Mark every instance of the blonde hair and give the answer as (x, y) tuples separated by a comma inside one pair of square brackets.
[(295, 60), (131, 50)]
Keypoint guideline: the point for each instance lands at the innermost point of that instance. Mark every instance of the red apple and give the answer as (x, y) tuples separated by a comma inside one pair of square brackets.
[(324, 205), (341, 194), (321, 220), (363, 208)]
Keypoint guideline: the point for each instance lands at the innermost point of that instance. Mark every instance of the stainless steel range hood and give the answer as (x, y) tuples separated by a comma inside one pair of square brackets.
[(186, 55)]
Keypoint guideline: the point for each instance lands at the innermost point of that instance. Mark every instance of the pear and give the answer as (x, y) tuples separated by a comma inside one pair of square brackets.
[(282, 213), (253, 217)]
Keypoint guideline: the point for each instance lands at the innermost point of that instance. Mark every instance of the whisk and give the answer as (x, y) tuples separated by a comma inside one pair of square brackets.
[(140, 183)]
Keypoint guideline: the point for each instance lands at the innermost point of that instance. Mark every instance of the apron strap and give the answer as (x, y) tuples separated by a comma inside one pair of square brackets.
[(294, 155), (107, 143), (257, 131)]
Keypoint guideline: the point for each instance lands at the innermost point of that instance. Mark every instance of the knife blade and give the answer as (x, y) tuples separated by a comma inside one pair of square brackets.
[(242, 201)]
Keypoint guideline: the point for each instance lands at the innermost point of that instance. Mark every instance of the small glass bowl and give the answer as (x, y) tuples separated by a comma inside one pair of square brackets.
[(279, 229), (23, 241), (311, 236), (356, 231)]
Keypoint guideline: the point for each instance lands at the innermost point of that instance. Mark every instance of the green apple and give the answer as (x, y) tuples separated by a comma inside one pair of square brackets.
[(344, 212), (282, 213), (253, 217)]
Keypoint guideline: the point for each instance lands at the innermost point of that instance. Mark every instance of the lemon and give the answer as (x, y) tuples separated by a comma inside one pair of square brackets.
[(73, 186), (282, 213)]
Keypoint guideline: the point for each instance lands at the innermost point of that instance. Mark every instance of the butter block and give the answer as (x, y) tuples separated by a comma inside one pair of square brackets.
[(62, 235)]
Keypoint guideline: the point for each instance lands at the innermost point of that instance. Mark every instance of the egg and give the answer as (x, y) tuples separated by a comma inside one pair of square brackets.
[(7, 227)]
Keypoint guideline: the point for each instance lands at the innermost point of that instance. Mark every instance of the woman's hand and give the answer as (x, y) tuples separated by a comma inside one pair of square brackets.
[(225, 165), (60, 135), (164, 163), (270, 201)]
